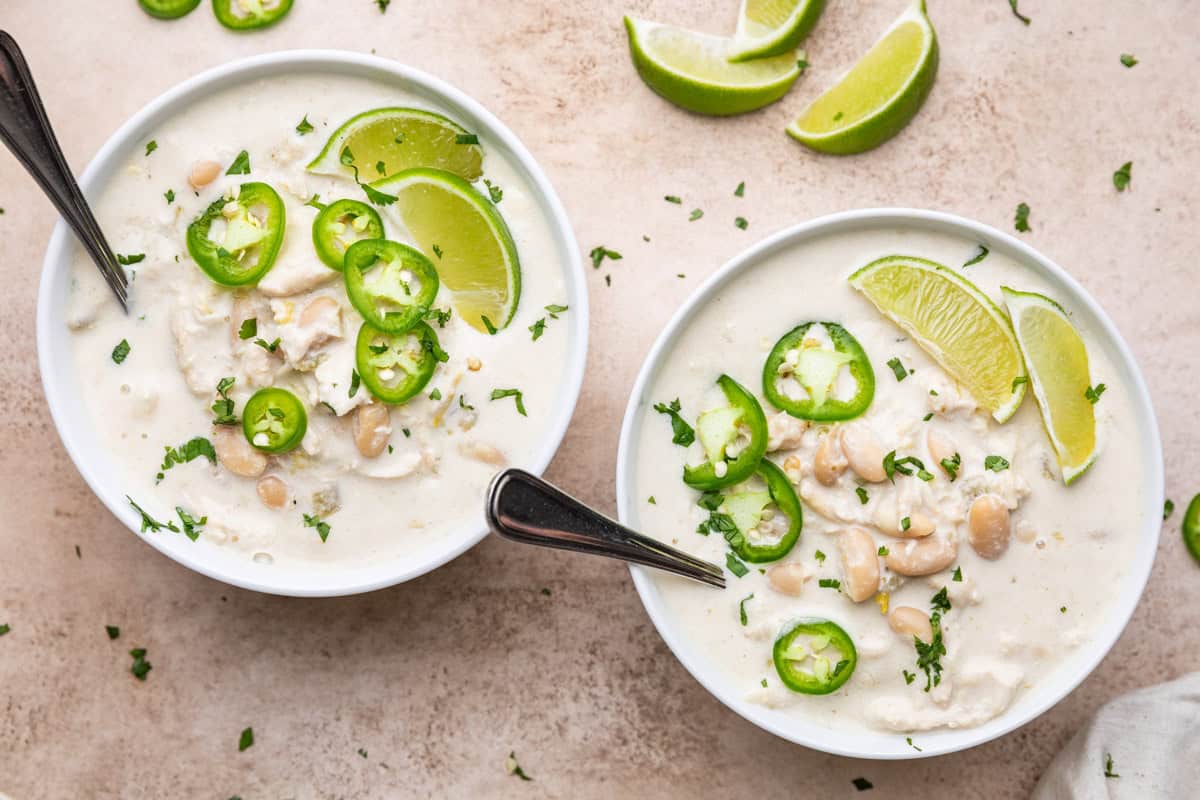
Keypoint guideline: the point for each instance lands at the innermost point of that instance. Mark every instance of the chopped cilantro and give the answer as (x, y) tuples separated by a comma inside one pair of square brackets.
[(802, 64), (538, 328), (466, 138), (190, 450), (1108, 766), (120, 351), (742, 608), (740, 191), (304, 126), (882, 552), (192, 527), (1013, 5), (1168, 508), (381, 168), (5, 628), (1019, 380), (905, 523), (863, 497), (383, 5), (437, 251), (313, 521), (435, 395), (695, 215), (1021, 220), (909, 738), (651, 500), (500, 394), (494, 191), (140, 665), (862, 784), (270, 347), (1093, 393), (995, 463), (1123, 176), (513, 768), (246, 740), (951, 466), (980, 256), (741, 223), (462, 403), (151, 146), (600, 252), (957, 575), (170, 195), (897, 369), (440, 316), (734, 565), (830, 583), (222, 408), (819, 556), (240, 165), (362, 751), (554, 310), (927, 417), (113, 631), (683, 433), (132, 258), (248, 329), (673, 199), (905, 465), (909, 677), (487, 323), (355, 380), (1128, 60)]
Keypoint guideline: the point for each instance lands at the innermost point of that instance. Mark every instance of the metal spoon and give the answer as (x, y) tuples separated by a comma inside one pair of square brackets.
[(27, 133), (525, 508)]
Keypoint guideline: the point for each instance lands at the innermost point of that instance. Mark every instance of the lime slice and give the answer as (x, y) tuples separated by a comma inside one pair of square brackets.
[(693, 70), (1058, 368), (400, 139), (467, 240), (879, 95), (954, 322), (773, 27)]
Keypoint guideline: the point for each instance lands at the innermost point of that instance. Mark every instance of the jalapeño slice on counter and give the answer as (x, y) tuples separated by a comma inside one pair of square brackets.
[(168, 9), (1191, 527), (814, 656), (721, 431), (801, 363), (390, 284), (339, 225), (746, 510), (253, 232), (396, 366), (274, 420), (248, 15)]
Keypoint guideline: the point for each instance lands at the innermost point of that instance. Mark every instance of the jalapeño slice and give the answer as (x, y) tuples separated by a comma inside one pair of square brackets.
[(253, 232), (274, 420), (746, 510), (720, 431), (339, 225), (248, 15), (805, 660), (815, 368), (396, 366), (168, 9), (390, 284)]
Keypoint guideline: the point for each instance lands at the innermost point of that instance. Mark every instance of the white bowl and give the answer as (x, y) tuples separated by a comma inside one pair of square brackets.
[(1049, 691), (56, 360)]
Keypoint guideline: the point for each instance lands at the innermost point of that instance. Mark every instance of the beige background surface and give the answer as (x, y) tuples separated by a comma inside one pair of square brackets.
[(438, 679)]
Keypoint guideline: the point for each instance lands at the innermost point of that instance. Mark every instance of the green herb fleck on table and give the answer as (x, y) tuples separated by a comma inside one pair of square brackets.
[(695, 215), (1021, 220), (1093, 393), (995, 463), (741, 223), (1123, 176), (742, 609), (734, 565), (151, 146), (304, 127), (897, 369), (383, 5), (673, 199), (651, 500), (1016, 13), (740, 191), (1108, 766), (682, 433), (246, 740), (802, 64), (5, 628), (313, 521), (494, 191), (362, 751), (240, 165), (222, 407), (600, 252), (466, 138), (149, 523), (140, 666), (132, 258), (1128, 60), (113, 631), (120, 352), (513, 768), (979, 256), (500, 394), (1168, 508), (862, 784), (1062, 609)]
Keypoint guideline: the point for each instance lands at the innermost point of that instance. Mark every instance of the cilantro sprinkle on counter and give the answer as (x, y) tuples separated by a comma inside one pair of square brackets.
[(140, 666), (1168, 508), (513, 768), (695, 215), (862, 784), (1128, 60), (246, 740), (673, 199), (113, 631), (1016, 13), (1021, 220), (1108, 766), (740, 191), (5, 628), (600, 252), (1123, 176), (741, 223)]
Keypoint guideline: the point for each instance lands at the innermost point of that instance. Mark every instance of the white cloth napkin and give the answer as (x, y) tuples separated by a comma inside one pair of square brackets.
[(1151, 735)]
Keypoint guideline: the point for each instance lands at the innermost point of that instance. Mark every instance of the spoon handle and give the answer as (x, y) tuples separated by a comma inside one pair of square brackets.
[(525, 508), (25, 129)]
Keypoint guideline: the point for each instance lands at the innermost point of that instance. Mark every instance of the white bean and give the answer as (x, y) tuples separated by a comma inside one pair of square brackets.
[(787, 578), (988, 526), (860, 564), (864, 452), (922, 556), (372, 428), (272, 491), (235, 454), (830, 462), (909, 622), (203, 173), (889, 521)]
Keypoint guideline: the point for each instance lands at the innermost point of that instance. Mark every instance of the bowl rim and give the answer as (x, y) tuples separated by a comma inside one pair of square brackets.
[(938, 741), (434, 90)]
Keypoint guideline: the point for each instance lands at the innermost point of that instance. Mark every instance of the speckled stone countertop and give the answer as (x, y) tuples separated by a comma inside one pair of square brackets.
[(578, 683)]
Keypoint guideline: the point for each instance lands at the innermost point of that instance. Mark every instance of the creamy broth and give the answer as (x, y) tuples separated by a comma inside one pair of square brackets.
[(182, 331), (1013, 620)]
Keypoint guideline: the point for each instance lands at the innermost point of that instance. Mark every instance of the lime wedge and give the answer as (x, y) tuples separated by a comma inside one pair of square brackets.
[(773, 27), (879, 95), (1058, 368), (958, 325), (693, 70), (400, 139), (467, 240)]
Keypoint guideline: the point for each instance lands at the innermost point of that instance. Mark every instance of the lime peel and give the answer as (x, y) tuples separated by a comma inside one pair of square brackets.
[(772, 27)]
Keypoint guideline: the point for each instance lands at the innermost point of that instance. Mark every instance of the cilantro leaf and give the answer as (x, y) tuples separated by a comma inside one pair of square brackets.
[(120, 352), (500, 394), (240, 165), (1021, 220), (683, 433), (600, 252)]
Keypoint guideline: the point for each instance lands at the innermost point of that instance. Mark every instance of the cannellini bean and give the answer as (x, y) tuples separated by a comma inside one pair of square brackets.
[(784, 432), (860, 564), (889, 520), (864, 452), (787, 578), (922, 556), (273, 491), (941, 448), (908, 621), (203, 173), (235, 454), (483, 452), (372, 428), (793, 468), (830, 462), (988, 526)]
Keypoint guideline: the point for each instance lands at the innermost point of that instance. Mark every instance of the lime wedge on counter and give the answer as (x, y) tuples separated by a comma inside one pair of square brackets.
[(953, 321), (773, 27), (467, 240), (400, 139), (1058, 368), (693, 70), (879, 95)]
